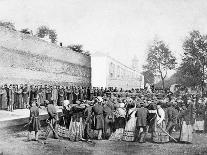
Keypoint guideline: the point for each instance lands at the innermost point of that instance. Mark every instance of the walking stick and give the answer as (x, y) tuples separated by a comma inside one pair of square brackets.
[(48, 122), (167, 133)]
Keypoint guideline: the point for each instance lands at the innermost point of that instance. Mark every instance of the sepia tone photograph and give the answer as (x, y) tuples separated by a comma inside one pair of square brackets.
[(103, 77)]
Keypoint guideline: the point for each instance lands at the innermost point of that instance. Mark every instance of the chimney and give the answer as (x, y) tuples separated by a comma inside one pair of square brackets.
[(61, 44)]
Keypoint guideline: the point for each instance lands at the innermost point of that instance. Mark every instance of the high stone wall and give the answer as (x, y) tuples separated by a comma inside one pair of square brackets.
[(28, 59)]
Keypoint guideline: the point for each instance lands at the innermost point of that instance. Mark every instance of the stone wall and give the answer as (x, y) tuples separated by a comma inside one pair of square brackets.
[(28, 59)]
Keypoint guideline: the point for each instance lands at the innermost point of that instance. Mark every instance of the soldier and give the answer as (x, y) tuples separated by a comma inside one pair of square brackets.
[(53, 117), (3, 94), (88, 121), (55, 95), (108, 118), (25, 95), (98, 114), (141, 122), (11, 98), (34, 124), (61, 95), (171, 115)]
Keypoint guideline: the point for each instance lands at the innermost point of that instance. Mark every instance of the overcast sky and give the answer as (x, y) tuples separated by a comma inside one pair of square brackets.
[(122, 28)]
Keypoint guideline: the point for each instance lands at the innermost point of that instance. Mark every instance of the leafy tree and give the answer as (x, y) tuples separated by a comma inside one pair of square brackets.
[(148, 77), (77, 48), (160, 60), (43, 31), (53, 36), (8, 25), (26, 31), (192, 69), (88, 53), (189, 73)]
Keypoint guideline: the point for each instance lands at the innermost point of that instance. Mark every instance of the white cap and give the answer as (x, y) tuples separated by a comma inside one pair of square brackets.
[(100, 99), (66, 103)]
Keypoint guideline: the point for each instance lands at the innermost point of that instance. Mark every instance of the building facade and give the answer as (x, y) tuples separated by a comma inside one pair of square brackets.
[(108, 72)]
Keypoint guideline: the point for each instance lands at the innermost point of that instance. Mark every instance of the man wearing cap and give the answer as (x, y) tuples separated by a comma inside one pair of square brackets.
[(55, 95), (25, 95), (171, 115), (11, 98), (88, 117), (53, 116), (141, 122), (108, 118), (98, 113)]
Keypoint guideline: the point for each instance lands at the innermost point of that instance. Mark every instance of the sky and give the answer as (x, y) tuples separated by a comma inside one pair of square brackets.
[(121, 28)]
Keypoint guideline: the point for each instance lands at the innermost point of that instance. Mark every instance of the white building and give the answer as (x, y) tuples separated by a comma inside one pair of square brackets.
[(108, 72)]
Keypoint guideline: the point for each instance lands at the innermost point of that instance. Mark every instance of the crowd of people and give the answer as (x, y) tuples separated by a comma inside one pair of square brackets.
[(127, 115), (20, 96)]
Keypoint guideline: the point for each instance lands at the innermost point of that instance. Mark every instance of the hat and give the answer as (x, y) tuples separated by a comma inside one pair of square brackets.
[(66, 103), (100, 99), (121, 105), (78, 102)]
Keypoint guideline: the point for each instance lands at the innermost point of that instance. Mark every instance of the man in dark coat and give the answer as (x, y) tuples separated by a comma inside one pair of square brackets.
[(53, 116), (88, 120), (98, 114), (141, 122), (171, 115), (108, 118), (34, 124), (7, 93), (25, 95)]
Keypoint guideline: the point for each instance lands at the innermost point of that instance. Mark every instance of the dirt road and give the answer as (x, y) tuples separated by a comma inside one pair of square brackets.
[(13, 142)]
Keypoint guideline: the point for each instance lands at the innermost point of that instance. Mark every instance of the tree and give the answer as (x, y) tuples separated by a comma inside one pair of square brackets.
[(8, 25), (194, 60), (88, 53), (77, 48), (189, 73), (160, 60), (53, 36), (26, 31), (44, 31), (148, 77)]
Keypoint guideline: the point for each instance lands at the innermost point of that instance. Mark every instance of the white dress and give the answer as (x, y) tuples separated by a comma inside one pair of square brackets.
[(129, 131)]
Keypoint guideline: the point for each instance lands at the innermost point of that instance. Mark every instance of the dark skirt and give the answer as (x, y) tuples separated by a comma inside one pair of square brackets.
[(99, 122), (34, 125), (120, 122)]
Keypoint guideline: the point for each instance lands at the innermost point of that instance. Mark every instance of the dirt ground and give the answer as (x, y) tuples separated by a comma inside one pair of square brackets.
[(14, 142)]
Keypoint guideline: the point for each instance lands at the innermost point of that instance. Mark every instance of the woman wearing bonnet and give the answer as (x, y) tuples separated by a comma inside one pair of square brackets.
[(120, 123)]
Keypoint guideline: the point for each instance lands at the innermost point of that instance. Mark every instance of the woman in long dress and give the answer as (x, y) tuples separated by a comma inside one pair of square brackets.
[(120, 114), (160, 126), (129, 131), (187, 116), (200, 115)]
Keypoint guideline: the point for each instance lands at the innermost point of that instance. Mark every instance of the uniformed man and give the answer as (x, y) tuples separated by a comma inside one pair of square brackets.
[(53, 117), (141, 122)]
